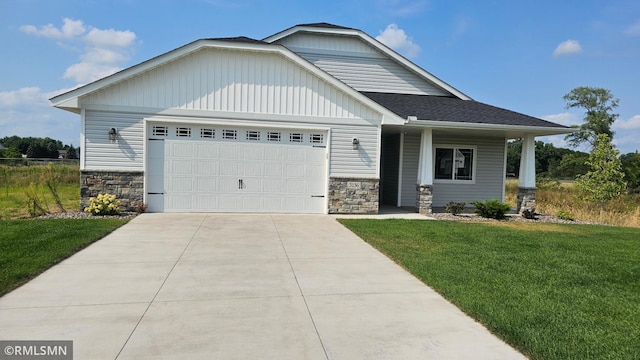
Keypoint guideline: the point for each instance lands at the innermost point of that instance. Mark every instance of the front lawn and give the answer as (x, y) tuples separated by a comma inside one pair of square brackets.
[(552, 291), (29, 247)]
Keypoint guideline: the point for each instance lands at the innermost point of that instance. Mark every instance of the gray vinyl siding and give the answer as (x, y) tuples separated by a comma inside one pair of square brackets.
[(390, 169), (410, 169), (124, 154), (359, 65), (373, 74), (490, 175), (346, 162)]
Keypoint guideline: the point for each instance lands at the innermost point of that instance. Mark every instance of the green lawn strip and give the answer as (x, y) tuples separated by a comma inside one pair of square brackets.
[(552, 291), (29, 247)]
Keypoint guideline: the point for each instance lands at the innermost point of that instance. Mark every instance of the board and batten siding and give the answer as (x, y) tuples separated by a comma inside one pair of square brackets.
[(223, 80), (347, 162), (126, 153), (359, 65)]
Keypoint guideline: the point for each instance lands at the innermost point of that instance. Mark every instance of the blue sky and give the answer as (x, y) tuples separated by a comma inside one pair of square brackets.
[(519, 55)]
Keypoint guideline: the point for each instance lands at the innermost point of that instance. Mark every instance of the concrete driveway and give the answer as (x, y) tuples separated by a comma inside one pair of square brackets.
[(211, 286)]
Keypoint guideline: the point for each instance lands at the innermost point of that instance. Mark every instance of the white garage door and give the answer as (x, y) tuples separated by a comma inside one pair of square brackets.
[(229, 169)]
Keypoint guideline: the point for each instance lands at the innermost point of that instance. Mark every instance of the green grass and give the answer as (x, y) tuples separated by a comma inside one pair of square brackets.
[(552, 291), (15, 180), (29, 247)]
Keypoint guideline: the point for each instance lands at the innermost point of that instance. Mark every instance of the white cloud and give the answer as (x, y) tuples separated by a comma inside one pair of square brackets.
[(105, 51), (398, 40), (633, 29), (28, 112), (86, 72), (568, 47), (566, 119), (631, 124), (21, 98), (70, 29), (110, 38)]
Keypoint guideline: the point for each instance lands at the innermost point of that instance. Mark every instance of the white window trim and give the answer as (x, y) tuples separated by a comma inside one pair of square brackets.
[(451, 146)]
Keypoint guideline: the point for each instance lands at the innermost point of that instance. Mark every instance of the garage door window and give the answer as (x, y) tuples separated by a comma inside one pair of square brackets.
[(207, 133), (160, 130), (296, 137), (274, 136), (316, 138), (253, 135), (183, 132), (230, 134)]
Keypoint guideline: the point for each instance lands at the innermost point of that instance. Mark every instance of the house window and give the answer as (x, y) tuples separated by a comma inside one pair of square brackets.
[(230, 134), (316, 138), (160, 130), (296, 137), (274, 136), (455, 163), (183, 132), (253, 135), (207, 133)]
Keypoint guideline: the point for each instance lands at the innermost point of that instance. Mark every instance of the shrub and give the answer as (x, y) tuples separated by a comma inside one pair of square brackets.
[(565, 215), (103, 204), (454, 208), (492, 209)]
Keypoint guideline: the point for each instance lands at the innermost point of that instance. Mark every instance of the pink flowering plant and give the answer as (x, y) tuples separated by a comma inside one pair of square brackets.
[(103, 204)]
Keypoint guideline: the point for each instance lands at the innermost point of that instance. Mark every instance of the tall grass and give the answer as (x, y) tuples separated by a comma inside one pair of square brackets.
[(554, 197), (17, 181)]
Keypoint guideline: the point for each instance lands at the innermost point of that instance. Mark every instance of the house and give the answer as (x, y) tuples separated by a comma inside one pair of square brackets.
[(317, 118)]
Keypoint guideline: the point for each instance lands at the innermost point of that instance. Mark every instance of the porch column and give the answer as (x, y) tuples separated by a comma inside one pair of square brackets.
[(424, 186), (527, 178)]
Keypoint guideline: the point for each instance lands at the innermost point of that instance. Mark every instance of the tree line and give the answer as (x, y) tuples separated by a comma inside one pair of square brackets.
[(36, 148)]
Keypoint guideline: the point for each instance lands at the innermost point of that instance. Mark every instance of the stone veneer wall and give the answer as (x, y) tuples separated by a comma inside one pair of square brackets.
[(353, 195), (526, 200), (424, 201), (127, 186)]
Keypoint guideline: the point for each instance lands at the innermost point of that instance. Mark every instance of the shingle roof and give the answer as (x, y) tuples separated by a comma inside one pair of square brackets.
[(440, 108), (325, 25), (241, 39)]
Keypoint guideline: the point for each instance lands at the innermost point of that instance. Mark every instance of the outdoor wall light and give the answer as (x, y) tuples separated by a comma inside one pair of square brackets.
[(113, 132), (356, 143)]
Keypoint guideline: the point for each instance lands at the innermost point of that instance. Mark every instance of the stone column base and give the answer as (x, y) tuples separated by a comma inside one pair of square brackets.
[(424, 202), (353, 196), (127, 186), (526, 200)]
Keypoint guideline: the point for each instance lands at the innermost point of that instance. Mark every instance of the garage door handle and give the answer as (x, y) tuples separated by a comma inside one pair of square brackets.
[(320, 196), (240, 184)]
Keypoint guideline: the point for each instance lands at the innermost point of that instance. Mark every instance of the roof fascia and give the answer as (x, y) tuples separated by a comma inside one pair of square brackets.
[(534, 130), (375, 43)]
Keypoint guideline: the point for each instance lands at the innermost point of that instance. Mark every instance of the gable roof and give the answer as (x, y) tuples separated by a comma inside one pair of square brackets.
[(239, 39), (396, 109), (425, 108), (331, 29)]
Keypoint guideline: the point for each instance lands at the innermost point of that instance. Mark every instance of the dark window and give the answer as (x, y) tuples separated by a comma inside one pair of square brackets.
[(454, 164)]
